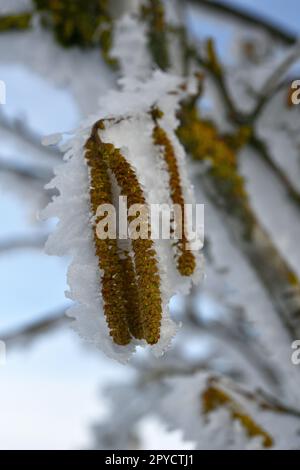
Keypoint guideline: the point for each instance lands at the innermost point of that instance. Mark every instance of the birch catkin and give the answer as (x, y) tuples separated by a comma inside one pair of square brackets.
[(136, 310), (115, 303), (186, 262), (121, 286)]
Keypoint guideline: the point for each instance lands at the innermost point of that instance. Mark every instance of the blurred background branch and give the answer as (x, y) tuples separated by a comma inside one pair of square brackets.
[(252, 263)]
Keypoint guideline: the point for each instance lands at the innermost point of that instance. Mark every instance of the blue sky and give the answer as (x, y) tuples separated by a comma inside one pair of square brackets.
[(283, 12)]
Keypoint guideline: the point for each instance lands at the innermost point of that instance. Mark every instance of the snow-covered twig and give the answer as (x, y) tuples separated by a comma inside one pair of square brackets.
[(270, 266)]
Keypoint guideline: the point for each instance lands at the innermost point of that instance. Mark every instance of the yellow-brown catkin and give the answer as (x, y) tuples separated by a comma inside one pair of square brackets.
[(115, 304), (146, 265), (131, 286), (132, 295), (214, 398), (186, 262)]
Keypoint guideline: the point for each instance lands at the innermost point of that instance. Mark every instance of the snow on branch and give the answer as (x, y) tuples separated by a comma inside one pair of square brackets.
[(217, 414)]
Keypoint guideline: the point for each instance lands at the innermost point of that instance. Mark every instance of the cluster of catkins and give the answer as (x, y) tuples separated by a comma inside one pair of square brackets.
[(122, 288)]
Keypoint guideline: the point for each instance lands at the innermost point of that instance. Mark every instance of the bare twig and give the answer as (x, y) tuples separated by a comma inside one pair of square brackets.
[(251, 19)]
